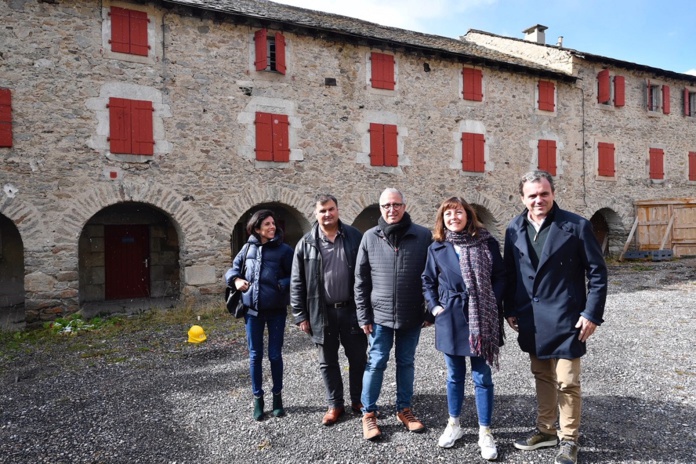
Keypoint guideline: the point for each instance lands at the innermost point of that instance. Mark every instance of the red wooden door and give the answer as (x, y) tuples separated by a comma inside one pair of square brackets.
[(126, 258)]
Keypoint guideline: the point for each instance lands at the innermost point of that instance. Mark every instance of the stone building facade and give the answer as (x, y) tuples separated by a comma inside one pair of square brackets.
[(86, 222)]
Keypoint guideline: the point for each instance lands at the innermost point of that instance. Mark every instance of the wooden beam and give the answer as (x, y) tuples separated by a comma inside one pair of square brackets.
[(628, 240), (667, 232)]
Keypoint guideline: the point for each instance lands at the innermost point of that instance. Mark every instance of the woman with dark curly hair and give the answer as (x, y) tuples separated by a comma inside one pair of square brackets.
[(266, 294)]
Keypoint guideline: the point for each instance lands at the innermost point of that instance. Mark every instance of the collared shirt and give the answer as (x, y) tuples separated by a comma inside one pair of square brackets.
[(335, 268)]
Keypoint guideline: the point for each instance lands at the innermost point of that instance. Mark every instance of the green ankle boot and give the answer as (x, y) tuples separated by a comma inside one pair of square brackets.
[(278, 405), (258, 407)]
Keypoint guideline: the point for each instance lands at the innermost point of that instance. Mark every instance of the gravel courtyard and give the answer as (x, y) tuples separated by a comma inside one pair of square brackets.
[(150, 397)]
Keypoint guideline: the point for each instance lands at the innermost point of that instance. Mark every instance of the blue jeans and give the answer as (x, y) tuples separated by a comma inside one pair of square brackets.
[(483, 386), (276, 332), (381, 340)]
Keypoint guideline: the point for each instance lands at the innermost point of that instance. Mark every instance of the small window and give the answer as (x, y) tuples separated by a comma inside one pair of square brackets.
[(692, 165), (657, 97), (5, 118), (546, 154), (689, 103), (383, 145), (269, 51), (547, 96), (657, 163), (382, 71), (272, 137), (129, 31), (130, 126), (473, 84), (606, 92), (605, 160), (473, 154)]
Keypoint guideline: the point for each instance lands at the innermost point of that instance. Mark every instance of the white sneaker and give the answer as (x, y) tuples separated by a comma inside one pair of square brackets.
[(487, 445), (452, 433)]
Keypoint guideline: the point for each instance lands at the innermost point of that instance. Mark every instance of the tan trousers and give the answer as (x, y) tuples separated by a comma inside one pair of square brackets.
[(558, 390)]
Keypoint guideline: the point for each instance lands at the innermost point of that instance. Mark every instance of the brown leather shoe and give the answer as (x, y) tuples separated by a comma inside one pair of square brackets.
[(371, 430), (332, 415), (356, 407), (409, 420)]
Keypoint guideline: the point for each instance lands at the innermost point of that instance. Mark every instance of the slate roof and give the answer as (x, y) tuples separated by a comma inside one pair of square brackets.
[(356, 30), (602, 59)]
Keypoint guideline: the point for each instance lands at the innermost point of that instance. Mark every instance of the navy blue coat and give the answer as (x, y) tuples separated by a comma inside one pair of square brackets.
[(268, 268), (570, 281), (443, 285)]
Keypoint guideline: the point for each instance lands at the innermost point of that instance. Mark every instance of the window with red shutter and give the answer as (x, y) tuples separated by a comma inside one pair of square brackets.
[(665, 99), (546, 154), (692, 165), (129, 31), (619, 91), (269, 52), (605, 161), (657, 162), (382, 71), (473, 84), (130, 127), (603, 87), (689, 102), (383, 145), (473, 156), (272, 137), (547, 95), (5, 118)]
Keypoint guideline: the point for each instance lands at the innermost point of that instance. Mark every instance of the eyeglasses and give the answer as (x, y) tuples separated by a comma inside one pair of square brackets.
[(392, 206)]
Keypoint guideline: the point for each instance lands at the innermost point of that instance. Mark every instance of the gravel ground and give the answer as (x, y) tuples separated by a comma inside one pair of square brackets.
[(151, 397)]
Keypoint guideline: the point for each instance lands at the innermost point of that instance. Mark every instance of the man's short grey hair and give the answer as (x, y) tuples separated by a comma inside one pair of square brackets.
[(322, 198), (535, 176), (393, 190)]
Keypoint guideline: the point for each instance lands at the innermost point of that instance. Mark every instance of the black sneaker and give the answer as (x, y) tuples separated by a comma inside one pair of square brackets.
[(536, 440), (567, 453)]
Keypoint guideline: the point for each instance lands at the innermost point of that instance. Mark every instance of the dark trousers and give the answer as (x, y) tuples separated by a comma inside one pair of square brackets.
[(342, 329)]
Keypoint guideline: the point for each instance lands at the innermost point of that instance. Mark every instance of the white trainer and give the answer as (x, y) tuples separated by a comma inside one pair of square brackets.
[(452, 433), (487, 445)]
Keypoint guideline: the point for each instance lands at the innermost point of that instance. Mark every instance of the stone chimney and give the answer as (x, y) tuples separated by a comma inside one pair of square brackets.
[(536, 34)]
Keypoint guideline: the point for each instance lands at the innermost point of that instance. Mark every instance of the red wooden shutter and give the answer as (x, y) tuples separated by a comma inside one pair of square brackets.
[(382, 71), (281, 141), (603, 89), (665, 99), (546, 96), (264, 136), (391, 152), (143, 142), (473, 152), (120, 30), (5, 118), (692, 165), (657, 170), (280, 53), (473, 84), (138, 33), (376, 144), (619, 91), (687, 108), (547, 156), (120, 125), (605, 165), (261, 44)]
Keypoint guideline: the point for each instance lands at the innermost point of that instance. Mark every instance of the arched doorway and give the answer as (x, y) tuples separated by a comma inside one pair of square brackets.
[(293, 224), (129, 251), (11, 274), (609, 231), (367, 219)]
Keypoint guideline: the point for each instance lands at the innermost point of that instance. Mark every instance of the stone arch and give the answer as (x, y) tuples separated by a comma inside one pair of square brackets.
[(496, 216), (29, 222), (191, 228)]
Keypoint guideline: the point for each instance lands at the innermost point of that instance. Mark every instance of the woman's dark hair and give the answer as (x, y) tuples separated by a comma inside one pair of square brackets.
[(472, 222), (257, 219)]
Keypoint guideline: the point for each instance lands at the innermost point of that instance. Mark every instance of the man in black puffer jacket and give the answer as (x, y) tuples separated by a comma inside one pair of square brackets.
[(389, 302)]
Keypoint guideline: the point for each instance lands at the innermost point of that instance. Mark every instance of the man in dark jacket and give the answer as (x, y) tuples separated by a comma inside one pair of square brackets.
[(389, 301), (555, 295), (321, 295)]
